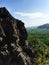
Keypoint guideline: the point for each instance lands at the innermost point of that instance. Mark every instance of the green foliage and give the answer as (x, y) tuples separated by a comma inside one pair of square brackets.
[(39, 40)]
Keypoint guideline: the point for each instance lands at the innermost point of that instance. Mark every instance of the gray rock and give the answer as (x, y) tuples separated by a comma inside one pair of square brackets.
[(14, 48)]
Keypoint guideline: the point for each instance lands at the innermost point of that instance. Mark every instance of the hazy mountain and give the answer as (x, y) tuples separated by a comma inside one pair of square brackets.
[(44, 26), (28, 28)]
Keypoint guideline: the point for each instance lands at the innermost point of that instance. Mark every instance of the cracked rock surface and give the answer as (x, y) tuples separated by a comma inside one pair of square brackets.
[(14, 48)]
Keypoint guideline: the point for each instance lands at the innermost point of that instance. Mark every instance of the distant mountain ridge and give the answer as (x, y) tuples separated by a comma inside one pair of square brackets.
[(44, 26)]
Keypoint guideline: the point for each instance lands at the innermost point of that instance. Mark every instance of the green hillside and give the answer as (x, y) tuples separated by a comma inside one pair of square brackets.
[(39, 40)]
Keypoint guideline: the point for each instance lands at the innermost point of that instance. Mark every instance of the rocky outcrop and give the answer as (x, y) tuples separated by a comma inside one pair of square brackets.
[(14, 48)]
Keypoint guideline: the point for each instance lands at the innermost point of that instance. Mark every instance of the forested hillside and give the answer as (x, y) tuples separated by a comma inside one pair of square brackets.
[(39, 40)]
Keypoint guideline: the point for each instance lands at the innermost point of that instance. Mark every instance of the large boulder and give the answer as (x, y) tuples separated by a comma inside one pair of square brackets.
[(14, 48)]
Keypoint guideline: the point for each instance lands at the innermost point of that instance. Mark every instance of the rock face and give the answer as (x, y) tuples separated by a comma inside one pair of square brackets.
[(14, 48)]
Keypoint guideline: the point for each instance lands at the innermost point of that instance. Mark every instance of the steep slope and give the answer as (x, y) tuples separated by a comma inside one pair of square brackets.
[(14, 48)]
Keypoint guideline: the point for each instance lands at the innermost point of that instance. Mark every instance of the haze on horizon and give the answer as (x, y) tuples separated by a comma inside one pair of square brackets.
[(31, 12)]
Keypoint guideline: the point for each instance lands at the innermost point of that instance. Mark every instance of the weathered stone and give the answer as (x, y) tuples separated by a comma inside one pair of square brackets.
[(14, 48)]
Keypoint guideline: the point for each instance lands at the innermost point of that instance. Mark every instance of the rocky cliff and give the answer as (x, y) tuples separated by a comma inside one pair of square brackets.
[(14, 48)]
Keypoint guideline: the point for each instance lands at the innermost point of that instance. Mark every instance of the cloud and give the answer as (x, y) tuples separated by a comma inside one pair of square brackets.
[(33, 15), (30, 15), (34, 19)]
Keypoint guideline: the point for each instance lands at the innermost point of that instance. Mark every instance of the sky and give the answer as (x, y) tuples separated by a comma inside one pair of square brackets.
[(31, 12)]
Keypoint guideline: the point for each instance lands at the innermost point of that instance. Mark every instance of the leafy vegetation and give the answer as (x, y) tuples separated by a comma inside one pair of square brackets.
[(39, 40)]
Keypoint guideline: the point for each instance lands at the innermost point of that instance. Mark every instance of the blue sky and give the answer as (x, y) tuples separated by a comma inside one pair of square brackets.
[(31, 12)]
